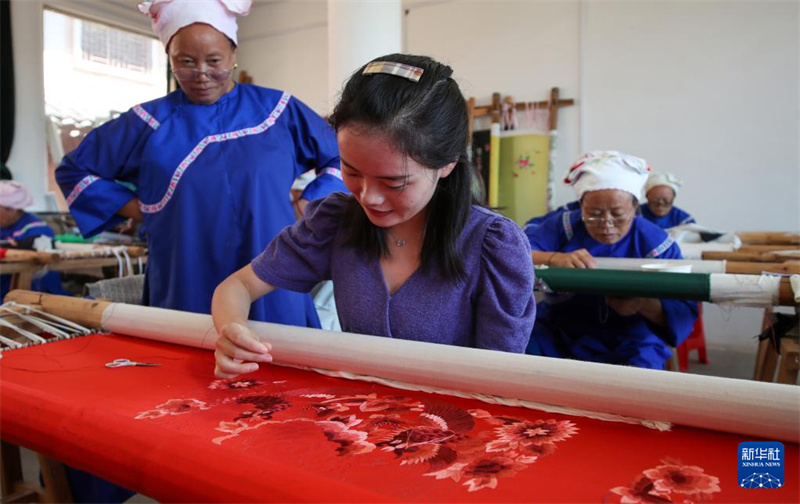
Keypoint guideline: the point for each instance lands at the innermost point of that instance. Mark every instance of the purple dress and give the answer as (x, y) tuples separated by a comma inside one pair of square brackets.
[(492, 308)]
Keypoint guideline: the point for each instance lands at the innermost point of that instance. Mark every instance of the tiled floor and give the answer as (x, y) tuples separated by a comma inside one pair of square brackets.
[(721, 363), (728, 364)]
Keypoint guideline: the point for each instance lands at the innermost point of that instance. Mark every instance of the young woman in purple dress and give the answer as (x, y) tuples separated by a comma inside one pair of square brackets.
[(410, 254)]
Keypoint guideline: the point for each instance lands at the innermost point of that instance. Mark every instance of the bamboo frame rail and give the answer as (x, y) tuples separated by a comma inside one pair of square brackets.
[(688, 286), (767, 248), (770, 238), (751, 256), (750, 268)]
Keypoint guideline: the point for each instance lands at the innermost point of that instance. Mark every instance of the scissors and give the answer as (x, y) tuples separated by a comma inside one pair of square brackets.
[(127, 362)]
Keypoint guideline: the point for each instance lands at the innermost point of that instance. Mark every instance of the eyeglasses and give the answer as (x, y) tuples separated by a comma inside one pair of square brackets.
[(614, 222), (660, 202), (192, 74)]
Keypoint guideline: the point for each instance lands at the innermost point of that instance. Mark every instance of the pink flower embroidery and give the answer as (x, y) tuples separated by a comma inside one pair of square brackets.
[(351, 442), (433, 433), (233, 384), (483, 472), (264, 406), (537, 436), (670, 482), (479, 413), (682, 479), (173, 407), (390, 404)]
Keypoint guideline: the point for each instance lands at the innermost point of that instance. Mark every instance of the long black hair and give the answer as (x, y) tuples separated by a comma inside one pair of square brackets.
[(428, 121)]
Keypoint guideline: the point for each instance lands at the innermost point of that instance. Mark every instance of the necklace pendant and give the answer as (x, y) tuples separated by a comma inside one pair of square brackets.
[(400, 243)]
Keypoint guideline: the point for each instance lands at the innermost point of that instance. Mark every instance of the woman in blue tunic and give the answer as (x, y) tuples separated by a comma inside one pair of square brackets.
[(633, 331), (661, 190), (410, 255), (212, 164), (534, 222), (18, 229)]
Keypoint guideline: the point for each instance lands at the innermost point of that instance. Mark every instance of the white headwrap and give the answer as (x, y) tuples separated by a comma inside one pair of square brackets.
[(169, 16), (598, 170), (667, 179), (14, 195)]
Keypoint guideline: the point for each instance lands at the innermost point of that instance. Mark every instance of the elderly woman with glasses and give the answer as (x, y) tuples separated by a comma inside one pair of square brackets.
[(660, 191), (632, 331), (208, 168)]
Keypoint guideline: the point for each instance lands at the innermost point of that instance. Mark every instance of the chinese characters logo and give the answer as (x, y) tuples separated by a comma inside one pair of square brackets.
[(761, 464)]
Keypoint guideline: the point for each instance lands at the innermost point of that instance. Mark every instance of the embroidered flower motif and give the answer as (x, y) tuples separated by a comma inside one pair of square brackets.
[(173, 407), (532, 436), (453, 471), (419, 444), (483, 472), (670, 482), (390, 404), (479, 413), (264, 406), (233, 384), (351, 442), (682, 479), (366, 403), (427, 432)]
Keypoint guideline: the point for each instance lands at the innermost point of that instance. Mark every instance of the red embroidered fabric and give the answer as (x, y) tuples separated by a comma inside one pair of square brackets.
[(175, 433)]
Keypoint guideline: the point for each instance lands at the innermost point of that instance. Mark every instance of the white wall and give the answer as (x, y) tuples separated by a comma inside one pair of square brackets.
[(706, 90), (284, 45), (521, 49), (28, 157)]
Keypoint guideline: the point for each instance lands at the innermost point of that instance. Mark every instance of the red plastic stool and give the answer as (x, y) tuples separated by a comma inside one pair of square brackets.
[(695, 341)]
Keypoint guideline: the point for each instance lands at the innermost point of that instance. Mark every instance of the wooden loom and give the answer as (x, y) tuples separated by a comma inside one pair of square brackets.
[(23, 264), (766, 410), (494, 109)]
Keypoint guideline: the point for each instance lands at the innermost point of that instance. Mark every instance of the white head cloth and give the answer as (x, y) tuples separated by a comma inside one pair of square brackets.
[(598, 170), (169, 16), (666, 179), (14, 195)]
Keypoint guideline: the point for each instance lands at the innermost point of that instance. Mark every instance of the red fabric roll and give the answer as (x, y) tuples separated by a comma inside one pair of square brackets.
[(175, 433)]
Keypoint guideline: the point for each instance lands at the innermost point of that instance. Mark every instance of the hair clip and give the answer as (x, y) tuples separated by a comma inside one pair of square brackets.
[(389, 67)]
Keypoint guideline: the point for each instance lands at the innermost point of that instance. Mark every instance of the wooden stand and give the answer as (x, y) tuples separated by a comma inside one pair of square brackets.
[(768, 359)]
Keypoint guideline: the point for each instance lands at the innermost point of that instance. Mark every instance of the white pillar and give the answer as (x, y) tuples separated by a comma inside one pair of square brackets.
[(28, 157), (358, 31)]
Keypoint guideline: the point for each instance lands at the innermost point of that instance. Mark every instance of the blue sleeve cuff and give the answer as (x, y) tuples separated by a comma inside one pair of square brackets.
[(95, 208), (326, 183)]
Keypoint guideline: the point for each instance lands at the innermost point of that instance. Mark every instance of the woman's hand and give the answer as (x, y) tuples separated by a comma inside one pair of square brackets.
[(625, 306), (131, 210), (580, 259), (301, 206), (239, 351), (649, 308)]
